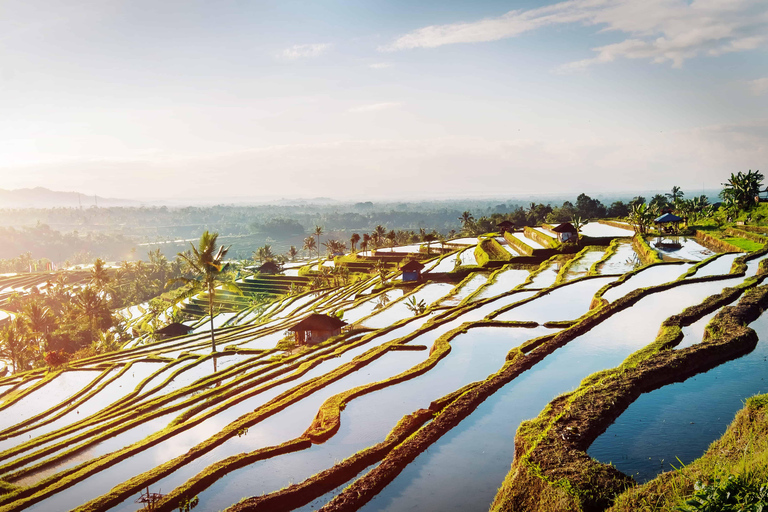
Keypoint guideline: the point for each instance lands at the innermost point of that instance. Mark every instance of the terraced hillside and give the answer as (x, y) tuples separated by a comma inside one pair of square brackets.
[(404, 410)]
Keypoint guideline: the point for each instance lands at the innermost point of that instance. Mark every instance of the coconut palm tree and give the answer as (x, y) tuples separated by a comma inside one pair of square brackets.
[(310, 245), (466, 222), (675, 195), (353, 241), (429, 238), (41, 322), (364, 242), (292, 252), (392, 238), (13, 344), (99, 276), (318, 232), (206, 261)]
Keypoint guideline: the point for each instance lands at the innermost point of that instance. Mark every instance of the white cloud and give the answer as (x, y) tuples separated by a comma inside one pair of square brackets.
[(759, 86), (299, 51), (657, 30), (375, 107), (380, 65)]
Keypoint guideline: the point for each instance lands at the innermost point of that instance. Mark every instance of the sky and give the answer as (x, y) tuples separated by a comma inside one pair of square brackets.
[(377, 99)]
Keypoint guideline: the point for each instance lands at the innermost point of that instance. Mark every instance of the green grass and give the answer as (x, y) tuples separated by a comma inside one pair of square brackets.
[(741, 243)]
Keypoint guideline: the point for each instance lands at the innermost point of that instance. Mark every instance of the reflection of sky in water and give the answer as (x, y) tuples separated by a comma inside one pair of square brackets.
[(597, 229), (504, 282), (581, 266), (651, 276), (621, 262), (690, 249), (680, 420), (452, 475), (721, 265), (48, 395), (564, 303)]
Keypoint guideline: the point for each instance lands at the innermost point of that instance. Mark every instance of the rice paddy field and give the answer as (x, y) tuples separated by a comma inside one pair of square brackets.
[(404, 410)]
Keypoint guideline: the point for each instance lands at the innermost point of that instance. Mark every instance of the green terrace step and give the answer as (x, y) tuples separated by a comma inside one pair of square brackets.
[(276, 279)]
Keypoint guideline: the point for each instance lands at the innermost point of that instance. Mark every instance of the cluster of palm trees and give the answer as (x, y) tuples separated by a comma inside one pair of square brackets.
[(742, 189), (61, 319)]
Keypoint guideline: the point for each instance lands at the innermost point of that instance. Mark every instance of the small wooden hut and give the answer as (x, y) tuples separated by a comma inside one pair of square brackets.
[(270, 267), (412, 271), (316, 328), (505, 226), (172, 330), (566, 232)]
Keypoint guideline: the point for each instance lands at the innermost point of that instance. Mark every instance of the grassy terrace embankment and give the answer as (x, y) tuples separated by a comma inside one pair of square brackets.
[(552, 471), (490, 252)]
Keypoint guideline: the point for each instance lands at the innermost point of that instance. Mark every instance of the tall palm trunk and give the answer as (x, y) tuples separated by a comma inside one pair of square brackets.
[(210, 315)]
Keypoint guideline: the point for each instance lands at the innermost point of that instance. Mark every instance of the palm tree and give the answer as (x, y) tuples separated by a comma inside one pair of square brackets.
[(13, 344), (207, 263), (41, 322), (364, 242), (310, 245), (292, 252), (353, 241), (88, 301), (392, 237), (743, 189), (318, 232), (466, 222), (429, 238), (376, 239), (675, 195), (99, 276)]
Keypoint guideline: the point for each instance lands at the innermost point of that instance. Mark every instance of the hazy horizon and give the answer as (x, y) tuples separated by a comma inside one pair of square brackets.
[(381, 100)]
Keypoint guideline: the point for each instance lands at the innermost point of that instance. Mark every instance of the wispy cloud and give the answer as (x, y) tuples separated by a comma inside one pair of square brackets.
[(299, 51), (380, 65), (375, 107), (657, 30), (759, 86)]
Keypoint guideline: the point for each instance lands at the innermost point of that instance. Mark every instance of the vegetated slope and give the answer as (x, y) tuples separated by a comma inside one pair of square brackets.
[(263, 416)]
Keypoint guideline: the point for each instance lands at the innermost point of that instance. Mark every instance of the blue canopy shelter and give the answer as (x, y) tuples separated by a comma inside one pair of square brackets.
[(668, 223)]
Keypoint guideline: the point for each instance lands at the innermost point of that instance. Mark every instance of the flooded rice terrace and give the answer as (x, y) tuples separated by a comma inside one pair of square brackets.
[(267, 418)]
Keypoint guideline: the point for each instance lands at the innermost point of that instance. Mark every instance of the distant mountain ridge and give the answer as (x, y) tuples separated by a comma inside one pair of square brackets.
[(40, 197)]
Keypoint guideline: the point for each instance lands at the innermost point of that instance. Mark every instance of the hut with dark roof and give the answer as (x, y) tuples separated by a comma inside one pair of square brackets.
[(566, 232), (270, 267), (316, 328), (173, 329), (412, 271), (505, 225), (668, 222)]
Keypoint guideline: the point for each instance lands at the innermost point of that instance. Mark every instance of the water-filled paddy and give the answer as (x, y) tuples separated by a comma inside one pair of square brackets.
[(597, 229), (566, 302), (624, 260), (651, 276), (581, 266), (450, 472), (368, 419), (503, 282), (690, 250), (680, 420)]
